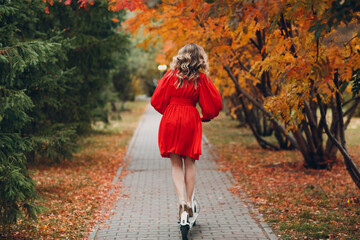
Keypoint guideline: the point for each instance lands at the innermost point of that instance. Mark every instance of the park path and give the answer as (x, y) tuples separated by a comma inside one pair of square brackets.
[(150, 211)]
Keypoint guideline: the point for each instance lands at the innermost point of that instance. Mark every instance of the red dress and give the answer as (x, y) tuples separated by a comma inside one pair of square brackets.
[(180, 128)]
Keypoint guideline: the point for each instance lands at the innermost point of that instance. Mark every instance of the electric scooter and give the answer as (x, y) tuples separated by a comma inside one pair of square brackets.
[(187, 222)]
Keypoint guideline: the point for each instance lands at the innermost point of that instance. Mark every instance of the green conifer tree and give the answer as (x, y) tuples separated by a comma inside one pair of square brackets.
[(17, 189), (56, 77)]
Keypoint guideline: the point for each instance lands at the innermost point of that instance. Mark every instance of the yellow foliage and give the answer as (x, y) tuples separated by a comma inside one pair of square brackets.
[(266, 43)]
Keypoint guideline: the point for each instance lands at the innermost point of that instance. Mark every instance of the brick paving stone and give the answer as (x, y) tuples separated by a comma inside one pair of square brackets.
[(150, 211)]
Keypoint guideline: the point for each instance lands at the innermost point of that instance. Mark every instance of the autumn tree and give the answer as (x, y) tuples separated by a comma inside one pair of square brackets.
[(267, 54), (342, 12)]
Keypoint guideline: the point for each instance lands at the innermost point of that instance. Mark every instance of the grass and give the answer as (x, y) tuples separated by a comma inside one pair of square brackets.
[(352, 133), (298, 203), (76, 193)]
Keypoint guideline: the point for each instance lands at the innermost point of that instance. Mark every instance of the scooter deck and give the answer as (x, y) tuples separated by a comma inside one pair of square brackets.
[(187, 222), (193, 218)]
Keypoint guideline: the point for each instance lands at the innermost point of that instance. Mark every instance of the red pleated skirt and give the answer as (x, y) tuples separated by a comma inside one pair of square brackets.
[(180, 130)]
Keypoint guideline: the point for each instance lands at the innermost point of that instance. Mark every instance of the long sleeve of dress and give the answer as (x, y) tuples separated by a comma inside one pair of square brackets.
[(209, 99), (162, 94)]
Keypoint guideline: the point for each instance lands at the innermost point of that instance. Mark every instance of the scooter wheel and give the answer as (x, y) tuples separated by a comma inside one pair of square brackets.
[(184, 232)]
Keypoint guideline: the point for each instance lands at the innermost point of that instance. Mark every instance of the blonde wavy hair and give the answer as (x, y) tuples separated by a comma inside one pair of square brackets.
[(190, 59)]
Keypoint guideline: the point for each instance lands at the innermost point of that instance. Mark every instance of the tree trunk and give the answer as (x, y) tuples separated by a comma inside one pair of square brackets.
[(340, 143), (244, 93), (236, 104), (250, 122), (310, 146)]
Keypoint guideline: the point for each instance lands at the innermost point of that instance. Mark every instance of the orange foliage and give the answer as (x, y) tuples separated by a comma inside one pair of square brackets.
[(77, 193), (132, 5), (286, 193), (83, 3), (227, 29)]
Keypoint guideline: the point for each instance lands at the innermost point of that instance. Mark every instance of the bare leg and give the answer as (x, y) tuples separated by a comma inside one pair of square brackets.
[(190, 172), (178, 175)]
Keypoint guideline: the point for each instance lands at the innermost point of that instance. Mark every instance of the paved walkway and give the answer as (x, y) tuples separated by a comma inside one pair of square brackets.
[(150, 212)]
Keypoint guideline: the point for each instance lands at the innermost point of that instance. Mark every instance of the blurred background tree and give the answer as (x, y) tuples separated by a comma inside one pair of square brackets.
[(143, 66)]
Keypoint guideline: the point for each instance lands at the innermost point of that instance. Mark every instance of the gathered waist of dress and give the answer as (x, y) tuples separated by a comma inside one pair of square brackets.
[(182, 101)]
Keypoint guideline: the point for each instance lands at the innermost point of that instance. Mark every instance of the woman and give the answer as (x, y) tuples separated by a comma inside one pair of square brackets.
[(180, 130)]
